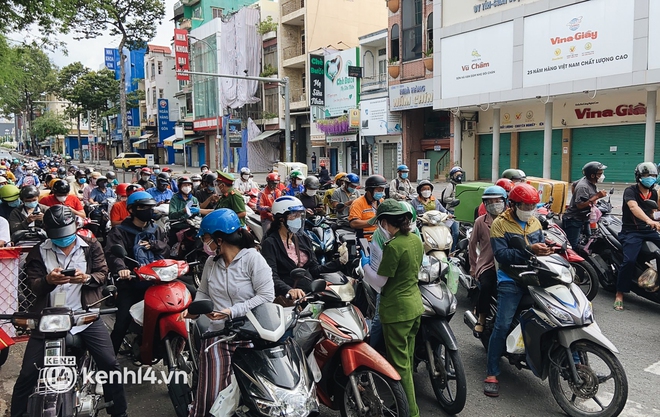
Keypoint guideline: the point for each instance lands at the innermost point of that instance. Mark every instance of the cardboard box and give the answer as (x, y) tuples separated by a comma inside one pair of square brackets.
[(286, 168), (558, 190)]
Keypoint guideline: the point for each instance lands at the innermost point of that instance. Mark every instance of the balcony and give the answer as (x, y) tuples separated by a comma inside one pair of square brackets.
[(293, 12), (376, 82), (185, 24), (189, 2), (293, 56), (178, 10), (298, 99)]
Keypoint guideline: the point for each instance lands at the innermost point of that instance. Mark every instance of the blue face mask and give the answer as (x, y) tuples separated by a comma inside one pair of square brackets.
[(82, 180), (378, 196), (294, 225), (350, 190), (14, 203), (647, 182), (211, 189), (31, 204), (63, 242), (404, 175)]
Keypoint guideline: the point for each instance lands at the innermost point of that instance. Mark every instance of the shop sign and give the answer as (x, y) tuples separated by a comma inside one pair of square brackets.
[(111, 58), (209, 123), (341, 90), (354, 119), (457, 11), (235, 133), (318, 141), (344, 138), (586, 40), (654, 35), (413, 95), (181, 54), (317, 80), (165, 126)]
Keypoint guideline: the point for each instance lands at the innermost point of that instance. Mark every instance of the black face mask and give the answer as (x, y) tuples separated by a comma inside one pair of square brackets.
[(144, 215)]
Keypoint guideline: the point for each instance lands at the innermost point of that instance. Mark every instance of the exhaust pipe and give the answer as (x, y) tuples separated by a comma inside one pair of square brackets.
[(469, 319)]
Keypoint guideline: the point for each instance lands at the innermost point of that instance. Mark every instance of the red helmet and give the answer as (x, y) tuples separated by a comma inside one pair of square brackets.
[(131, 188), (524, 193), (167, 169), (121, 189), (273, 177), (505, 183), (145, 170)]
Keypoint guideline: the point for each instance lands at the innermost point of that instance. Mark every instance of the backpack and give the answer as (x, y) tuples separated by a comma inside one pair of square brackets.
[(140, 254), (387, 189)]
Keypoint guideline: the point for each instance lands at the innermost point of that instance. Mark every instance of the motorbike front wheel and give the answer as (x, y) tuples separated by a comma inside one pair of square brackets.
[(381, 395), (604, 388), (450, 384), (586, 278), (181, 372)]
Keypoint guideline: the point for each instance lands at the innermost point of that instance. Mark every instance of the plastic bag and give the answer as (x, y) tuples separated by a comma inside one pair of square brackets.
[(514, 341), (227, 400), (649, 280), (453, 275), (343, 253)]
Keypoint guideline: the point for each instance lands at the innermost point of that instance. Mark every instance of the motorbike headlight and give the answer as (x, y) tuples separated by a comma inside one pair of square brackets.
[(299, 402), (431, 242), (559, 314), (55, 323), (588, 315), (167, 273)]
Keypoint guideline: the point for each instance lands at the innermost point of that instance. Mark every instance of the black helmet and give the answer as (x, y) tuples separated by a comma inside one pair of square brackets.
[(312, 183), (47, 179), (110, 175), (591, 168), (183, 180), (61, 172), (645, 168), (209, 178), (88, 171), (196, 177), (61, 187), (59, 221), (29, 191), (164, 176), (80, 174), (375, 181)]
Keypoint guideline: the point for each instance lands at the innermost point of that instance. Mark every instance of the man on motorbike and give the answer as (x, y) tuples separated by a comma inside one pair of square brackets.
[(183, 206), (61, 196), (585, 195), (140, 206), (324, 175), (345, 195), (515, 175), (161, 192), (119, 212), (364, 208), (237, 279), (482, 262), (197, 182), (310, 199), (112, 179), (91, 185), (102, 192), (204, 169), (245, 184), (639, 225), (230, 198), (30, 178), (9, 200), (206, 194), (266, 199), (456, 176), (78, 185), (517, 220), (43, 266), (400, 188), (30, 213), (145, 178), (296, 184)]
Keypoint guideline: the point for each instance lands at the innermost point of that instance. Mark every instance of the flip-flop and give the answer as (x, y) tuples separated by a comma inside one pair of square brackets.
[(491, 387), (618, 305), (477, 333)]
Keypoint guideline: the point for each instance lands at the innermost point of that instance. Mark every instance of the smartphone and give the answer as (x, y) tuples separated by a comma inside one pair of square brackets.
[(68, 272)]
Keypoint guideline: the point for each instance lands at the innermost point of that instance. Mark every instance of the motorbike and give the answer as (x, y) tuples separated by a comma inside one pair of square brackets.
[(355, 378), (253, 221), (320, 231), (554, 334), (61, 388), (161, 217), (158, 332), (251, 197), (99, 214), (273, 376)]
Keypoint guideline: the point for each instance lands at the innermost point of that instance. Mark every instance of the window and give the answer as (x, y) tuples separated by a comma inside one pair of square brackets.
[(394, 43), (303, 79), (197, 13), (302, 40), (270, 56), (429, 31), (153, 70), (368, 62), (153, 97), (271, 101), (160, 67), (412, 29), (161, 93), (148, 96), (217, 12)]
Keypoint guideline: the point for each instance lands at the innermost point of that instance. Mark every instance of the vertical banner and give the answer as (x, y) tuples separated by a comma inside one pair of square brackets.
[(181, 54), (110, 61), (316, 80), (234, 133), (165, 127)]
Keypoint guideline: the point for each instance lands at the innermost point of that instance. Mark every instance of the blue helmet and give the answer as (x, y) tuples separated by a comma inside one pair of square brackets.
[(221, 220), (140, 198), (402, 167), (494, 191), (352, 178)]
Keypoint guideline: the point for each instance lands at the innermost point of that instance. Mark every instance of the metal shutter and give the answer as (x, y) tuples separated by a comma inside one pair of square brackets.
[(530, 154), (486, 152)]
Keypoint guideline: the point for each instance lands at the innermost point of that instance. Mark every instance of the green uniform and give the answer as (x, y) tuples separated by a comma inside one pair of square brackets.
[(401, 306), (233, 201)]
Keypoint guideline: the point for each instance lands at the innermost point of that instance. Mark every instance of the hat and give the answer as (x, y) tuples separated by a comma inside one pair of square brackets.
[(3, 180), (96, 175), (226, 178), (390, 207)]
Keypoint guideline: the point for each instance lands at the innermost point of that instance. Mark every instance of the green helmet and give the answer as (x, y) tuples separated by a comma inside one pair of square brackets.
[(296, 174), (9, 193)]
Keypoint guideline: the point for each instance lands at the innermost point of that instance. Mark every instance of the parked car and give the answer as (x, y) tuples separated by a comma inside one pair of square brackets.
[(129, 161)]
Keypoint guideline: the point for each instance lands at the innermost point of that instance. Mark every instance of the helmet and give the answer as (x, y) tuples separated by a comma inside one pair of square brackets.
[(53, 170), (287, 204), (245, 170), (591, 168), (524, 193), (163, 180), (101, 178), (74, 168), (88, 171), (164, 176), (223, 220), (60, 187), (183, 180), (61, 172), (203, 166), (110, 175), (273, 177), (9, 193), (156, 166), (641, 169), (375, 181), (140, 198), (312, 183), (29, 191), (352, 178), (505, 183), (47, 180), (96, 175), (80, 174), (296, 174), (59, 221), (340, 176), (167, 169), (423, 183), (121, 189), (193, 178), (514, 174), (454, 171), (403, 168), (145, 171), (209, 178), (132, 188), (494, 191)]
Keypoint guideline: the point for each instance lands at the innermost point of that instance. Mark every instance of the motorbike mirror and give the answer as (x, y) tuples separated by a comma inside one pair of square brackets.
[(118, 251), (564, 246), (650, 204), (462, 244), (318, 285), (455, 202), (518, 242), (340, 206), (612, 190), (109, 290), (200, 307), (299, 273)]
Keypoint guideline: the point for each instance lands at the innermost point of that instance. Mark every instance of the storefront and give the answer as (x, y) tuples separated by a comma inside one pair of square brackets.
[(381, 131), (202, 147)]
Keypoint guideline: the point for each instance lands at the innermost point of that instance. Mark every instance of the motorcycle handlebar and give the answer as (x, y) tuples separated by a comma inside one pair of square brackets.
[(112, 310)]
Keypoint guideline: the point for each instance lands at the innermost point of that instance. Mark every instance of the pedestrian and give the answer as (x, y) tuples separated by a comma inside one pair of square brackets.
[(313, 161)]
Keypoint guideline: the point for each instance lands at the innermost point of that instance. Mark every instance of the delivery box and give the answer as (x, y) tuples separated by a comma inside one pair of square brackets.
[(286, 168), (558, 190), (470, 196)]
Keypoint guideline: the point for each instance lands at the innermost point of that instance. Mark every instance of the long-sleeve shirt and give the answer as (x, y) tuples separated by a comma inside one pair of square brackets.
[(401, 189), (265, 202), (479, 248)]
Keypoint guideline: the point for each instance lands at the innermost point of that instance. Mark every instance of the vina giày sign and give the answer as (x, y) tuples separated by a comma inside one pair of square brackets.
[(181, 54), (621, 110), (316, 80)]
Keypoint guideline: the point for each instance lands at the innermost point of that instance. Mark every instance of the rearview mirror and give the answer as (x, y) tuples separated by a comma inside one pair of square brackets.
[(455, 202), (340, 206), (300, 273), (118, 251), (200, 307), (108, 290), (518, 242), (612, 190), (650, 205), (318, 285)]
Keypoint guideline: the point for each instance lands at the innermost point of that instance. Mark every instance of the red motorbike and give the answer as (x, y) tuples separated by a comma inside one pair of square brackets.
[(251, 198), (159, 332)]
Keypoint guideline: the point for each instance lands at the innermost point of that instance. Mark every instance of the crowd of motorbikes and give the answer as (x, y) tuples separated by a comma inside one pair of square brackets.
[(317, 351)]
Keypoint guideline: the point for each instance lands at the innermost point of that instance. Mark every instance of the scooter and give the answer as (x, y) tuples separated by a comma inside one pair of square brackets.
[(159, 332), (320, 231), (554, 334), (61, 388), (273, 376), (253, 221)]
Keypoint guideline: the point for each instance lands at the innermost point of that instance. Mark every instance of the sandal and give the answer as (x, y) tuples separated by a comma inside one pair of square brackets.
[(618, 305), (491, 387), (478, 330)]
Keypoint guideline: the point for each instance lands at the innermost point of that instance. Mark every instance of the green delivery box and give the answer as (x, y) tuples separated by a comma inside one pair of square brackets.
[(470, 196)]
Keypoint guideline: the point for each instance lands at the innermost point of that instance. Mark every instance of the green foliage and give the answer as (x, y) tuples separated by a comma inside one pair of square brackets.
[(266, 25), (50, 124), (268, 71), (269, 116), (50, 16), (428, 53), (394, 60)]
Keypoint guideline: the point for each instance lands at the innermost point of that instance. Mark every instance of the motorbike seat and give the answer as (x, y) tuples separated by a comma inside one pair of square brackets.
[(526, 302), (74, 343), (346, 235), (649, 248), (612, 233)]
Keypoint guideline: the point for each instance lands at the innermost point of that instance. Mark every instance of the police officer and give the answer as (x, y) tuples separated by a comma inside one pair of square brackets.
[(230, 198)]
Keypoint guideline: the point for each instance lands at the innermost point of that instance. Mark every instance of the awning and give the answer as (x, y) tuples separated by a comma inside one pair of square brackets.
[(264, 135), (138, 142), (169, 141), (147, 136), (179, 144)]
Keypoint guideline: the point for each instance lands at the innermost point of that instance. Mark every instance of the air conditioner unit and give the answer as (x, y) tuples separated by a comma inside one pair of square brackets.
[(469, 125)]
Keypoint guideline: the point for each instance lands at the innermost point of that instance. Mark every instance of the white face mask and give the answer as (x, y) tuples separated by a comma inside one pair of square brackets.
[(426, 193), (311, 193), (245, 177), (186, 189), (524, 215), (196, 183), (384, 231), (61, 198), (601, 178), (495, 208)]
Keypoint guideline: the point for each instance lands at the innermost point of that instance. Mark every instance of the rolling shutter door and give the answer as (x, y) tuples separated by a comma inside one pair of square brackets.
[(486, 152), (530, 154)]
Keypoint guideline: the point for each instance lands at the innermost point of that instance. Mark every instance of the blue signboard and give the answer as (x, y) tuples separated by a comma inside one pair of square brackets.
[(165, 127), (111, 58)]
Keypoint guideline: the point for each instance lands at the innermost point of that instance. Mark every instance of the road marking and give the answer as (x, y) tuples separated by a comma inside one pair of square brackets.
[(632, 408), (654, 369)]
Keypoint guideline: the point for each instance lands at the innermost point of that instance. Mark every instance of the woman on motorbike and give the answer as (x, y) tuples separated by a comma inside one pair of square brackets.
[(237, 279), (286, 248)]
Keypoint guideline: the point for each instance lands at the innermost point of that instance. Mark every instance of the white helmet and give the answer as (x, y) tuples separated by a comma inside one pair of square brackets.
[(287, 204), (245, 170)]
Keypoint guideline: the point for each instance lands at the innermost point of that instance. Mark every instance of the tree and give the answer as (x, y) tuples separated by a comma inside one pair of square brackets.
[(50, 124), (71, 89), (50, 15), (135, 21)]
